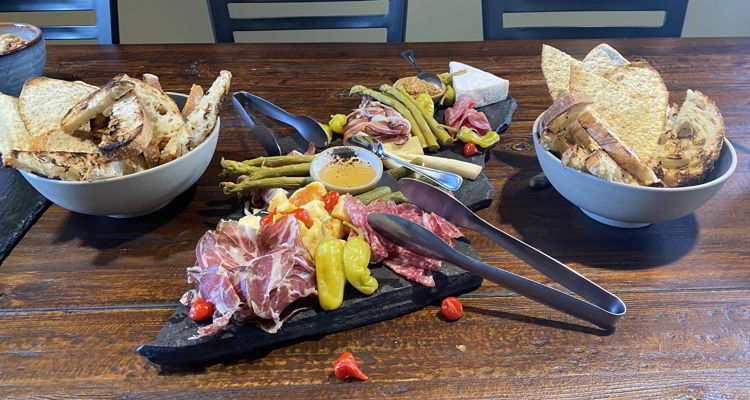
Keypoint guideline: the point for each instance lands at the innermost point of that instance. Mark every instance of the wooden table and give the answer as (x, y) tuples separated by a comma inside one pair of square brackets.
[(79, 293)]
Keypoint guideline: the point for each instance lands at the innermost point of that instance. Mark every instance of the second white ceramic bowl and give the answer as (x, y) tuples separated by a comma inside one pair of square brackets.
[(136, 194), (630, 206), (326, 157)]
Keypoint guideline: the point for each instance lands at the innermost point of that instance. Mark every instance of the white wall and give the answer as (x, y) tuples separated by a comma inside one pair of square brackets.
[(187, 21)]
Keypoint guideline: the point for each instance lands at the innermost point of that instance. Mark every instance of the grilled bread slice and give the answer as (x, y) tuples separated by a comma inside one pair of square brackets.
[(165, 117), (555, 120), (556, 68), (13, 133), (196, 94), (600, 164), (129, 132), (45, 101), (690, 149), (94, 104), (67, 166), (638, 118), (606, 137), (602, 59)]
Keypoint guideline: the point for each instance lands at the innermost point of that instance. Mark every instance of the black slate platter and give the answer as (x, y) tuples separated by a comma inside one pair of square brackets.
[(395, 297), (20, 206)]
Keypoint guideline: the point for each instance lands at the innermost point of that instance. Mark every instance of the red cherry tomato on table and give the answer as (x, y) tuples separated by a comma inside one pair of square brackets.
[(330, 200), (346, 367), (201, 310), (451, 308), (470, 149)]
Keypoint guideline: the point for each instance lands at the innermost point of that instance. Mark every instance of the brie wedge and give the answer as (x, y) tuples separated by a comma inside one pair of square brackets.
[(480, 86)]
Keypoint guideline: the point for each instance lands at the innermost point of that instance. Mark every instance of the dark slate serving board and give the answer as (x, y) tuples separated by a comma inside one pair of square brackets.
[(20, 206), (395, 297)]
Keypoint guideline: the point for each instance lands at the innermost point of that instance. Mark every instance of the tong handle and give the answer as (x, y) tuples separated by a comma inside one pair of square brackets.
[(552, 268), (266, 137), (269, 109)]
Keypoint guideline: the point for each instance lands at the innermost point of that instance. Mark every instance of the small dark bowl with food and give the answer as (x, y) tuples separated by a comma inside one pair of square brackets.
[(23, 55)]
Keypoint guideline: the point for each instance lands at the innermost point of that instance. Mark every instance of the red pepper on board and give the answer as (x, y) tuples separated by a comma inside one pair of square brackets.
[(266, 220), (470, 149), (330, 200), (302, 215), (201, 310), (346, 367), (451, 308)]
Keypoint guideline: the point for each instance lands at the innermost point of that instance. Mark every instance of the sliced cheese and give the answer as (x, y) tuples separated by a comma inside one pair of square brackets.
[(412, 146), (480, 86)]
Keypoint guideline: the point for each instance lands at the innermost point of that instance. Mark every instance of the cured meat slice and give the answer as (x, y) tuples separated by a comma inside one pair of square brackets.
[(464, 114), (230, 245), (379, 121), (214, 284)]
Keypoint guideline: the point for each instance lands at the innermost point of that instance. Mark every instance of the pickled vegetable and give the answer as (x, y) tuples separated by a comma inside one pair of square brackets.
[(372, 195), (425, 103), (337, 122), (356, 260), (329, 273), (468, 135), (449, 97)]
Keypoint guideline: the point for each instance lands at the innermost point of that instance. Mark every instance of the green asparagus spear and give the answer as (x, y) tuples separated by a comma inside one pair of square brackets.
[(417, 112), (416, 129), (277, 161), (287, 170), (249, 184), (443, 137)]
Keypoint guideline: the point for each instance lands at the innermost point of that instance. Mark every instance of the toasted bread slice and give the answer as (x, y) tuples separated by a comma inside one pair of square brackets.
[(13, 133), (196, 94), (638, 118), (575, 157), (606, 136), (564, 110), (59, 141), (164, 115), (134, 164), (600, 164), (152, 80), (129, 132), (45, 101), (66, 166), (556, 68), (94, 104), (202, 119), (602, 59), (690, 149)]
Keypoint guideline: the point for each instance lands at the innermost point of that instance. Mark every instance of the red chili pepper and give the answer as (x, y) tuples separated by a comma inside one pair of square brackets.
[(266, 220), (330, 199), (470, 149), (302, 215), (201, 310), (346, 367), (451, 308)]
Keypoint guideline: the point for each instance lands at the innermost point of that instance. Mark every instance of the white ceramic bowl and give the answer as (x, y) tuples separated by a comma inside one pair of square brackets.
[(630, 206), (136, 194), (326, 157)]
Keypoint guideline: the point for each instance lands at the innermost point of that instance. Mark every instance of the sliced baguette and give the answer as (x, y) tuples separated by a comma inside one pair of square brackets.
[(196, 94), (13, 133), (152, 80), (129, 132), (610, 142), (602, 59), (639, 119), (564, 110), (94, 104), (45, 101), (66, 166), (59, 141), (690, 149), (202, 119), (600, 164), (556, 68)]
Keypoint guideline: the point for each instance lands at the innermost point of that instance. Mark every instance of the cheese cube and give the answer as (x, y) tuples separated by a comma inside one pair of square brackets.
[(480, 86)]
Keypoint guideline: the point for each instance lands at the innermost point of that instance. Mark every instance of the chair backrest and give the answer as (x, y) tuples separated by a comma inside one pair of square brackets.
[(224, 26), (493, 10), (106, 30)]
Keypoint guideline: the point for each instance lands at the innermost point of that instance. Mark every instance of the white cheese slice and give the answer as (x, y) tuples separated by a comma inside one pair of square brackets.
[(480, 86)]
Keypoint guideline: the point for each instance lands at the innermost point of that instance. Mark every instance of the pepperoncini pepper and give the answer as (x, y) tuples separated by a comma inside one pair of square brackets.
[(468, 135), (356, 260), (329, 273), (337, 122), (424, 102), (449, 97)]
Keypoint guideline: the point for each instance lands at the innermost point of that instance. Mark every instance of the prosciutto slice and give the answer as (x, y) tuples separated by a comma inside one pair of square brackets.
[(379, 121), (464, 114), (251, 274), (401, 261)]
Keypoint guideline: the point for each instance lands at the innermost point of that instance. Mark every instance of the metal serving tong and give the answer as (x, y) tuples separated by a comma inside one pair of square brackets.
[(306, 126), (602, 309)]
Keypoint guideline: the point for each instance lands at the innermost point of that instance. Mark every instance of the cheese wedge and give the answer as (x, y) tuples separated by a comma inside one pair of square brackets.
[(480, 86)]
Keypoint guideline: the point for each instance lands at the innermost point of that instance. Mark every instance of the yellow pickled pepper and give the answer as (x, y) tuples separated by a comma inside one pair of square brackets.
[(356, 260), (329, 273), (337, 122)]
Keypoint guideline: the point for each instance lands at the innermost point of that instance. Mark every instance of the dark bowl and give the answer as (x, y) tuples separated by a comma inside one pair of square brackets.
[(23, 63)]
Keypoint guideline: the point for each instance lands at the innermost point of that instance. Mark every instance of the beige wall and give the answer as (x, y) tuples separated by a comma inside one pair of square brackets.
[(187, 21)]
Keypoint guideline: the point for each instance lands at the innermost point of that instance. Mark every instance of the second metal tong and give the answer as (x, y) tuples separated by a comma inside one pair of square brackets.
[(602, 308)]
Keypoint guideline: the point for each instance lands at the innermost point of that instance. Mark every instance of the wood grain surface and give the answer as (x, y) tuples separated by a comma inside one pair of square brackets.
[(79, 293)]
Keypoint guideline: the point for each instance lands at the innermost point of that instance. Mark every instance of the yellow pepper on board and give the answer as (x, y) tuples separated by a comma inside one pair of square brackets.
[(327, 130), (468, 135), (329, 273), (337, 122), (449, 97), (424, 101), (356, 260)]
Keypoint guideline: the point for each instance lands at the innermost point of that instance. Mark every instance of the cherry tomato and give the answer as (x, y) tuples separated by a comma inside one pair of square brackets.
[(302, 215), (330, 199), (346, 367), (266, 220), (470, 149), (201, 310), (451, 308)]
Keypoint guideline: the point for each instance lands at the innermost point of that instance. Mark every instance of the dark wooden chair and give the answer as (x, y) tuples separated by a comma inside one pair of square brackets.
[(493, 10), (106, 30), (224, 26)]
